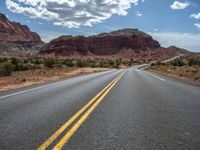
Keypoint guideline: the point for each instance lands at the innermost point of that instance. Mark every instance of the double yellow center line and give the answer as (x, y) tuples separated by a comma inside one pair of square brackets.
[(88, 109)]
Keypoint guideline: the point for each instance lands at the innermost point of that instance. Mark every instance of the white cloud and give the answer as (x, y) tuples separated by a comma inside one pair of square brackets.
[(188, 41), (195, 16), (179, 5), (197, 25), (71, 13), (137, 13)]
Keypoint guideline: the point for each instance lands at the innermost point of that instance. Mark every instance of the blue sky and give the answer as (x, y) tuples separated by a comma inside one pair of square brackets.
[(170, 22)]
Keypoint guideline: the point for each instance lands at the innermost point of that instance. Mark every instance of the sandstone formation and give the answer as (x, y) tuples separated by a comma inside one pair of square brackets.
[(102, 44), (12, 31), (125, 43), (17, 39)]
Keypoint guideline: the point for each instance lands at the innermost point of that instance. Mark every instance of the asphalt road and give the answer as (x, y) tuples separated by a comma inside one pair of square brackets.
[(137, 110)]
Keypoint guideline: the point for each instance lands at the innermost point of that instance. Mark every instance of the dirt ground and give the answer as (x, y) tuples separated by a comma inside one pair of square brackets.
[(182, 72), (27, 78)]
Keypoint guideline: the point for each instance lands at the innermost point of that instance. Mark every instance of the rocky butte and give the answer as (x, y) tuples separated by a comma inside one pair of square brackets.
[(124, 43)]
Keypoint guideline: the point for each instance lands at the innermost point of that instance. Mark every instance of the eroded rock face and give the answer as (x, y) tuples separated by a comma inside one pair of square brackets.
[(103, 44), (12, 31), (17, 39)]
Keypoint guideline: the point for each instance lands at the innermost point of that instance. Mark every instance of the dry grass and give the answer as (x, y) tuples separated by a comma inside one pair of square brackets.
[(191, 73), (27, 78)]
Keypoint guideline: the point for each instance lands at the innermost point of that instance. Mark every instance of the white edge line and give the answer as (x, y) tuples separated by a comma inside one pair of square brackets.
[(155, 76), (33, 89)]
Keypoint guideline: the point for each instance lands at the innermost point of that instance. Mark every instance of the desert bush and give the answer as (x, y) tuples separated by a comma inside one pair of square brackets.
[(6, 69), (110, 63), (37, 61), (177, 62), (14, 61), (115, 66), (49, 62), (194, 61), (80, 63), (2, 60), (103, 64), (68, 63), (25, 61), (157, 63)]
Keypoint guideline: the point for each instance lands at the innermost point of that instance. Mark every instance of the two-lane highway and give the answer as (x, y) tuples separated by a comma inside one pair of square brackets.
[(118, 109)]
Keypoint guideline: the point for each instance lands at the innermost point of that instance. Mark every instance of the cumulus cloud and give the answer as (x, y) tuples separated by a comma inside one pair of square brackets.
[(197, 25), (195, 16), (183, 40), (179, 5), (71, 13)]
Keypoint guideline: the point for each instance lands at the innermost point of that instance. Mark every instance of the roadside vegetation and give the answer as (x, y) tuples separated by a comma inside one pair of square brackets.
[(18, 72), (181, 61), (10, 65), (185, 67)]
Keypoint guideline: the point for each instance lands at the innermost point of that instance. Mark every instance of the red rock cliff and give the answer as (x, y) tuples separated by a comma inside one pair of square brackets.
[(14, 32), (102, 44)]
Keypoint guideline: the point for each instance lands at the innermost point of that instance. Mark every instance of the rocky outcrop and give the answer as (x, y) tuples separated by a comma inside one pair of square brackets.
[(12, 31), (17, 39), (19, 49), (102, 44)]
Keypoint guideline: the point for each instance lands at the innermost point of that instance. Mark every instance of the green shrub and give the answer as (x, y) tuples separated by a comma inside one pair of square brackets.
[(177, 62), (103, 64), (37, 62), (6, 69), (49, 62), (194, 61), (80, 63), (157, 63), (2, 60), (68, 63), (25, 61), (14, 61)]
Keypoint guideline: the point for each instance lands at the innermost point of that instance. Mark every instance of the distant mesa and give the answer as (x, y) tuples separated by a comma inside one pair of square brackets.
[(124, 43), (102, 44), (17, 40)]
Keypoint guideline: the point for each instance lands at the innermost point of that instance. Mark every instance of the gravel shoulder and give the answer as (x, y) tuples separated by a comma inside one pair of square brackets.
[(28, 78)]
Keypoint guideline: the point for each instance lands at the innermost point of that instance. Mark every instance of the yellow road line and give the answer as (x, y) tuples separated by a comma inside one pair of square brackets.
[(70, 133), (73, 118)]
